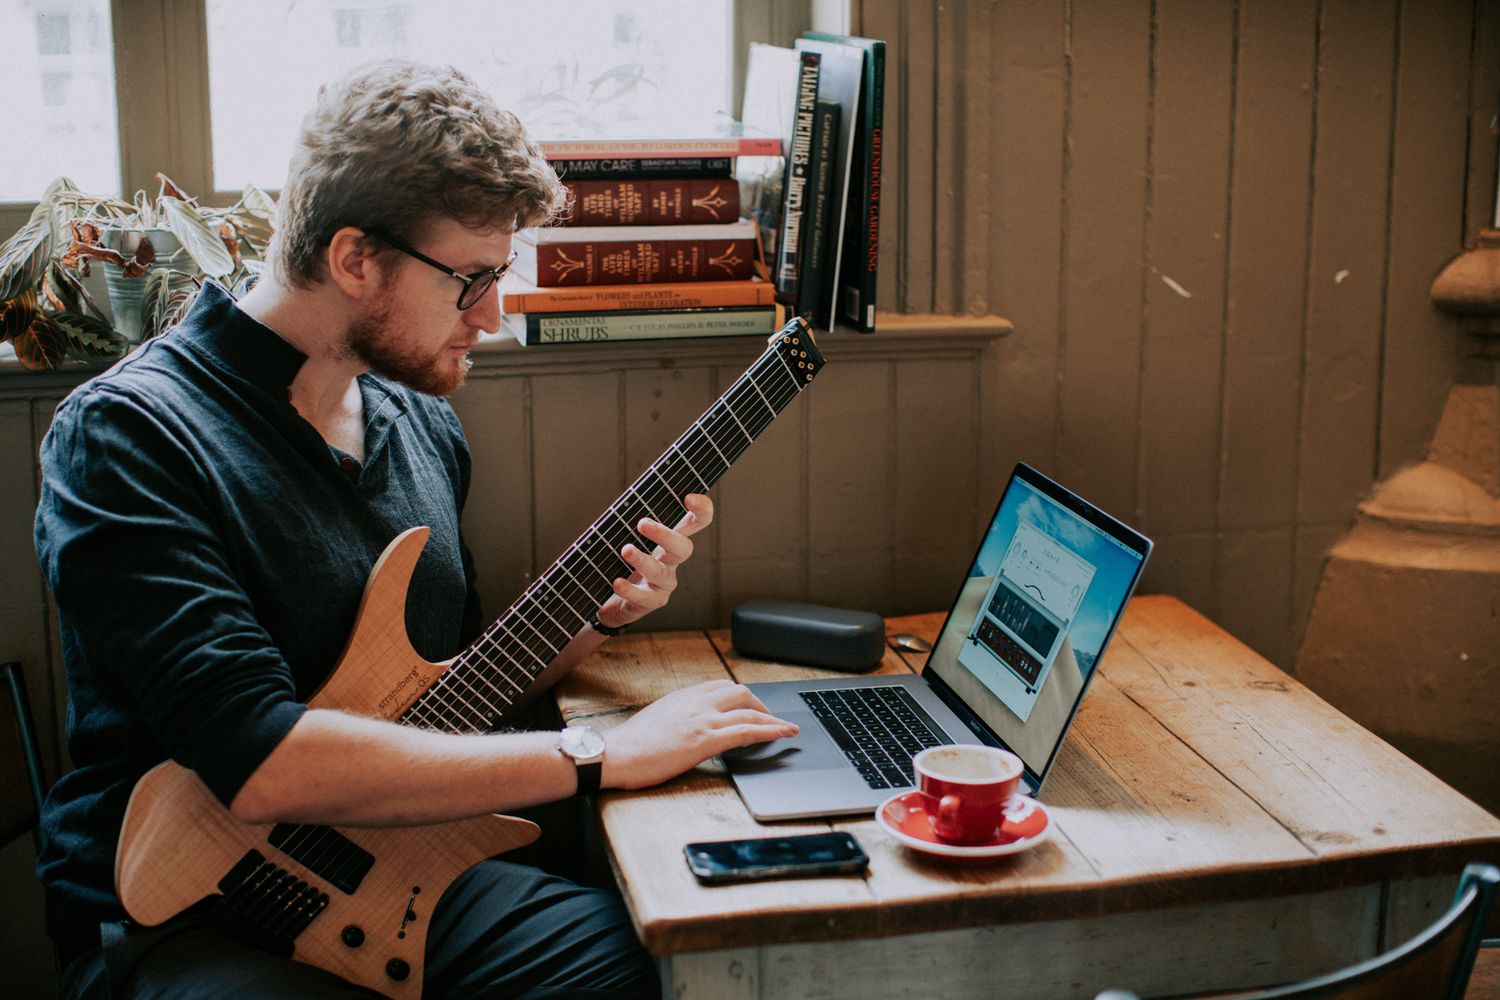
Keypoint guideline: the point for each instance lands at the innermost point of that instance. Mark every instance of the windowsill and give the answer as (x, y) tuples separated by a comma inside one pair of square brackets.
[(901, 335)]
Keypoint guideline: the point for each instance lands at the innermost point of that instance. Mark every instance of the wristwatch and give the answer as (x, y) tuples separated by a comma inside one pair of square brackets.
[(586, 747)]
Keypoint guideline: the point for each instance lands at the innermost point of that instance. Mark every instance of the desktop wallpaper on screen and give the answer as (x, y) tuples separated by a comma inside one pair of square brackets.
[(1032, 619)]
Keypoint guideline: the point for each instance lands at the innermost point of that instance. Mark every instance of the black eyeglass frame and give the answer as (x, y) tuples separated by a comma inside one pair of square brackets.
[(475, 285)]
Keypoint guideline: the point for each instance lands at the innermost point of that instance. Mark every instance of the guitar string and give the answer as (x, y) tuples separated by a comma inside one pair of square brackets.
[(318, 843), (455, 682), (456, 679)]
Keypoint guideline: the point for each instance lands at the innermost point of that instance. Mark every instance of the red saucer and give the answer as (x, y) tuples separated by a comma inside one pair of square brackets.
[(908, 818)]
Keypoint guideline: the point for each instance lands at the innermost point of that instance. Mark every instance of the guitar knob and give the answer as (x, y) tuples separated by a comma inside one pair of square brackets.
[(353, 936), (397, 969)]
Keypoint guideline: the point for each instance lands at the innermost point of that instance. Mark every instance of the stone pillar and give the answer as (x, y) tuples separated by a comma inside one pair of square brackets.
[(1405, 630)]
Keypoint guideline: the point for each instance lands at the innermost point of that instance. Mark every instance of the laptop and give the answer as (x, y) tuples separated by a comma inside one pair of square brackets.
[(1010, 667)]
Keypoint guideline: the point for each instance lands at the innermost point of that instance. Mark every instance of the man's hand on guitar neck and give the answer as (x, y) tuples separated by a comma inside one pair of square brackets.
[(655, 577), (684, 728)]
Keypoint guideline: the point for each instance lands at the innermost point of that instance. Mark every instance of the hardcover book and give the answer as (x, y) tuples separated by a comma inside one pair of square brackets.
[(533, 330), (720, 136), (618, 255), (838, 80), (654, 202), (797, 162), (517, 297), (650, 166), (860, 239), (813, 265)]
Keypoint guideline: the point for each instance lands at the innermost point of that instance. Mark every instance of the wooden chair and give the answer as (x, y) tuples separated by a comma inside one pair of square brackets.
[(1436, 963), (22, 780)]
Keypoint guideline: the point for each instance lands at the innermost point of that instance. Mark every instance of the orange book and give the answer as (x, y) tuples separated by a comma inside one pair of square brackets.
[(520, 297)]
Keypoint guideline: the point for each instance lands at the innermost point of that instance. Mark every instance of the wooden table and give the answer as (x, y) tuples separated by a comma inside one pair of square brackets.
[(1218, 825)]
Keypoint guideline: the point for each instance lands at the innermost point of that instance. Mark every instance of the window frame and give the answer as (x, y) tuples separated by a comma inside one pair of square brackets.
[(161, 85)]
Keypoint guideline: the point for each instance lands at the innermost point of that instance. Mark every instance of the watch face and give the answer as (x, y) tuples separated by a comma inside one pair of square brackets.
[(582, 742)]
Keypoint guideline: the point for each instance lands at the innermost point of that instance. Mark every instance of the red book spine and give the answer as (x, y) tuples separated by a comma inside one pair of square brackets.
[(665, 202), (641, 262)]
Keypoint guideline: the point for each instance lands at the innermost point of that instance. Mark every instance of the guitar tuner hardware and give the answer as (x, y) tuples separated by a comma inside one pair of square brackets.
[(397, 969)]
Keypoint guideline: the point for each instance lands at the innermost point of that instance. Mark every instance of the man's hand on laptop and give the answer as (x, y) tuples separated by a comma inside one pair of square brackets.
[(681, 730)]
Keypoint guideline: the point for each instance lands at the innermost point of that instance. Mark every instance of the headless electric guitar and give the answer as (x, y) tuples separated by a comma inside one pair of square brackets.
[(356, 901)]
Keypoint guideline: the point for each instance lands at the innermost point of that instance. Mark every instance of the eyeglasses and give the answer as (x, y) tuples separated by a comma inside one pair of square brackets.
[(475, 285)]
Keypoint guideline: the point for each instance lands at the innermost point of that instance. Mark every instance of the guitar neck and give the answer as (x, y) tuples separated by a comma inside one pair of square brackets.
[(495, 671)]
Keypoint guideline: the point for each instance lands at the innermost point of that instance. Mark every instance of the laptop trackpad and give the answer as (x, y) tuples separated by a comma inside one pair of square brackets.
[(811, 749)]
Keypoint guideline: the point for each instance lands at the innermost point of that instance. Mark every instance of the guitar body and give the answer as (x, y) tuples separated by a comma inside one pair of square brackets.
[(179, 845)]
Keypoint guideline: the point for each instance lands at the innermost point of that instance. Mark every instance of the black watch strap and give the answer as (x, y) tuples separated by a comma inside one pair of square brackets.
[(603, 629), (589, 774)]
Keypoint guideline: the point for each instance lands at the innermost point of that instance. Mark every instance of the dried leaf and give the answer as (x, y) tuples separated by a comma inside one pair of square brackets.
[(141, 261), (169, 188), (67, 293), (231, 241), (23, 258), (16, 315), (41, 345), (198, 238)]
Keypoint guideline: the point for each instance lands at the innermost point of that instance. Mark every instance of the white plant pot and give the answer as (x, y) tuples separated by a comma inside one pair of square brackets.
[(125, 294)]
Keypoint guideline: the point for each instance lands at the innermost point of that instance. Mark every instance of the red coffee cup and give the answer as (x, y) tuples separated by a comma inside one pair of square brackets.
[(971, 785)]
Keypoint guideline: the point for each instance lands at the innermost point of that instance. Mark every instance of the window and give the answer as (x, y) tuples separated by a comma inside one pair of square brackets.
[(555, 65), (215, 90), (60, 99)]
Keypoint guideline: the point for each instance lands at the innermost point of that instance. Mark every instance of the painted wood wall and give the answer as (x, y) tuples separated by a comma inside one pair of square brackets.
[(1214, 224)]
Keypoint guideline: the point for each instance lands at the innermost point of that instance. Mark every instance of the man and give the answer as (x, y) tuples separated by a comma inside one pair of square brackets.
[(211, 508)]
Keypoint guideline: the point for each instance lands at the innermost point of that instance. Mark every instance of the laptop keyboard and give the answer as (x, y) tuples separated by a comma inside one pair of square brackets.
[(879, 729)]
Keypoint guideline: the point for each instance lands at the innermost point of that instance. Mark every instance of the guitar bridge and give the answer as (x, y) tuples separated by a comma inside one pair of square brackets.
[(268, 905)]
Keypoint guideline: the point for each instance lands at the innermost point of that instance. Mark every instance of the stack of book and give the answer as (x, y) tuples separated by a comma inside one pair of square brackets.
[(654, 246), (825, 97)]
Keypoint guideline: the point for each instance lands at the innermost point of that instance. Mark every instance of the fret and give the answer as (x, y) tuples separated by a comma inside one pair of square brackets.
[(467, 665), (688, 462), (668, 486), (585, 598), (509, 650), (581, 616), (577, 549), (456, 679), (721, 414), (633, 536), (715, 446), (594, 594), (726, 436), (763, 398), (594, 536), (672, 519), (674, 468), (560, 626), (729, 409), (515, 608)]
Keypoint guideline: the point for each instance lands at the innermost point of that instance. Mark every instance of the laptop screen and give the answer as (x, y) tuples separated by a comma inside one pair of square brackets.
[(1031, 620)]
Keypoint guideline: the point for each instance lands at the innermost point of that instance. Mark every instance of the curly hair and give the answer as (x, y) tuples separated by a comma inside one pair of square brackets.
[(397, 145)]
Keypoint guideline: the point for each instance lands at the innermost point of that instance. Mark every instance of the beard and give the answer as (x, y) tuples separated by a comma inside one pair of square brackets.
[(375, 340)]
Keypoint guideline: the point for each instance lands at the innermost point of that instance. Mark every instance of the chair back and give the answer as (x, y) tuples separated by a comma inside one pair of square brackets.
[(22, 780), (1435, 964)]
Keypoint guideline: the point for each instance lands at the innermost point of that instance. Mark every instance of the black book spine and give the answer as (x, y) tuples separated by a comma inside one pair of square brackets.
[(856, 296), (666, 166), (794, 188), (813, 266)]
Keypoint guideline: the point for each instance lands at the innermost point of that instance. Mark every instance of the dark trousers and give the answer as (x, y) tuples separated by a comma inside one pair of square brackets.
[(501, 930)]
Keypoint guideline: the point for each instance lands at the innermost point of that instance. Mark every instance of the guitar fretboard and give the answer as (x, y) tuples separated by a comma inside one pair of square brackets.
[(497, 668)]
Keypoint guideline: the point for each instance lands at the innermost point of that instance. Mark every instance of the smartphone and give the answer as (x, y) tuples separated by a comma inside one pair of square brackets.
[(776, 857)]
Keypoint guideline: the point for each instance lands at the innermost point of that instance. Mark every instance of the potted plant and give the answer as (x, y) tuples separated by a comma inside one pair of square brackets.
[(155, 254)]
